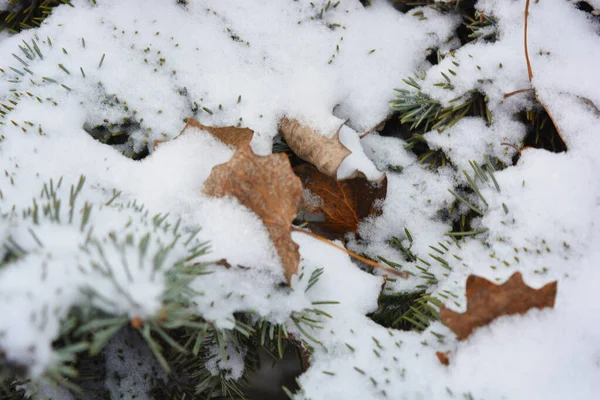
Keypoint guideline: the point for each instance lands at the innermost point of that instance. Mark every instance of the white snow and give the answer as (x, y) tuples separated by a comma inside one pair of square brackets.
[(126, 377), (357, 160), (232, 364), (251, 63)]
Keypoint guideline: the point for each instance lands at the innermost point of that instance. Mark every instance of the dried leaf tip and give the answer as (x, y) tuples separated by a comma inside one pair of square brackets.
[(443, 357), (229, 135)]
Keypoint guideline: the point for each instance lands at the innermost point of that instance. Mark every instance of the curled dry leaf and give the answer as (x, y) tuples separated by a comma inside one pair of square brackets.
[(267, 186), (487, 301), (343, 204), (230, 135), (324, 153)]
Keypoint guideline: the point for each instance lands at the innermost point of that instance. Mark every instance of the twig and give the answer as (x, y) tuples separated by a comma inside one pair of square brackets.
[(402, 274), (377, 127), (591, 104), (513, 146), (507, 95), (529, 72)]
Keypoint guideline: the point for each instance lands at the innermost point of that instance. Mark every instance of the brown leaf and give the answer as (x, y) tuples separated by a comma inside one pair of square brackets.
[(230, 135), (267, 186), (443, 357), (324, 153), (487, 301), (343, 203)]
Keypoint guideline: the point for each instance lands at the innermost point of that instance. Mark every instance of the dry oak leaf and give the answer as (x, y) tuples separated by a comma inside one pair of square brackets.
[(487, 301), (267, 186), (230, 135), (343, 203), (324, 153)]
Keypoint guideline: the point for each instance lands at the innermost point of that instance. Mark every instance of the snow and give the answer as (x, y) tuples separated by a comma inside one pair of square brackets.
[(166, 69), (127, 378), (232, 364), (357, 160), (251, 64), (461, 145)]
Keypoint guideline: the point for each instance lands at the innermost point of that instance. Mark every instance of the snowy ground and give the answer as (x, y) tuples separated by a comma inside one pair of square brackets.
[(156, 62)]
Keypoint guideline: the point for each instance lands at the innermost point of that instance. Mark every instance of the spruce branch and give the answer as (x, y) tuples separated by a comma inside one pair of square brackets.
[(27, 14), (420, 110), (482, 27)]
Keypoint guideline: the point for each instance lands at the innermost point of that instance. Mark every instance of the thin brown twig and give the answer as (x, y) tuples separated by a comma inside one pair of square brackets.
[(513, 146), (377, 127), (374, 264), (591, 104), (529, 71), (507, 95)]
